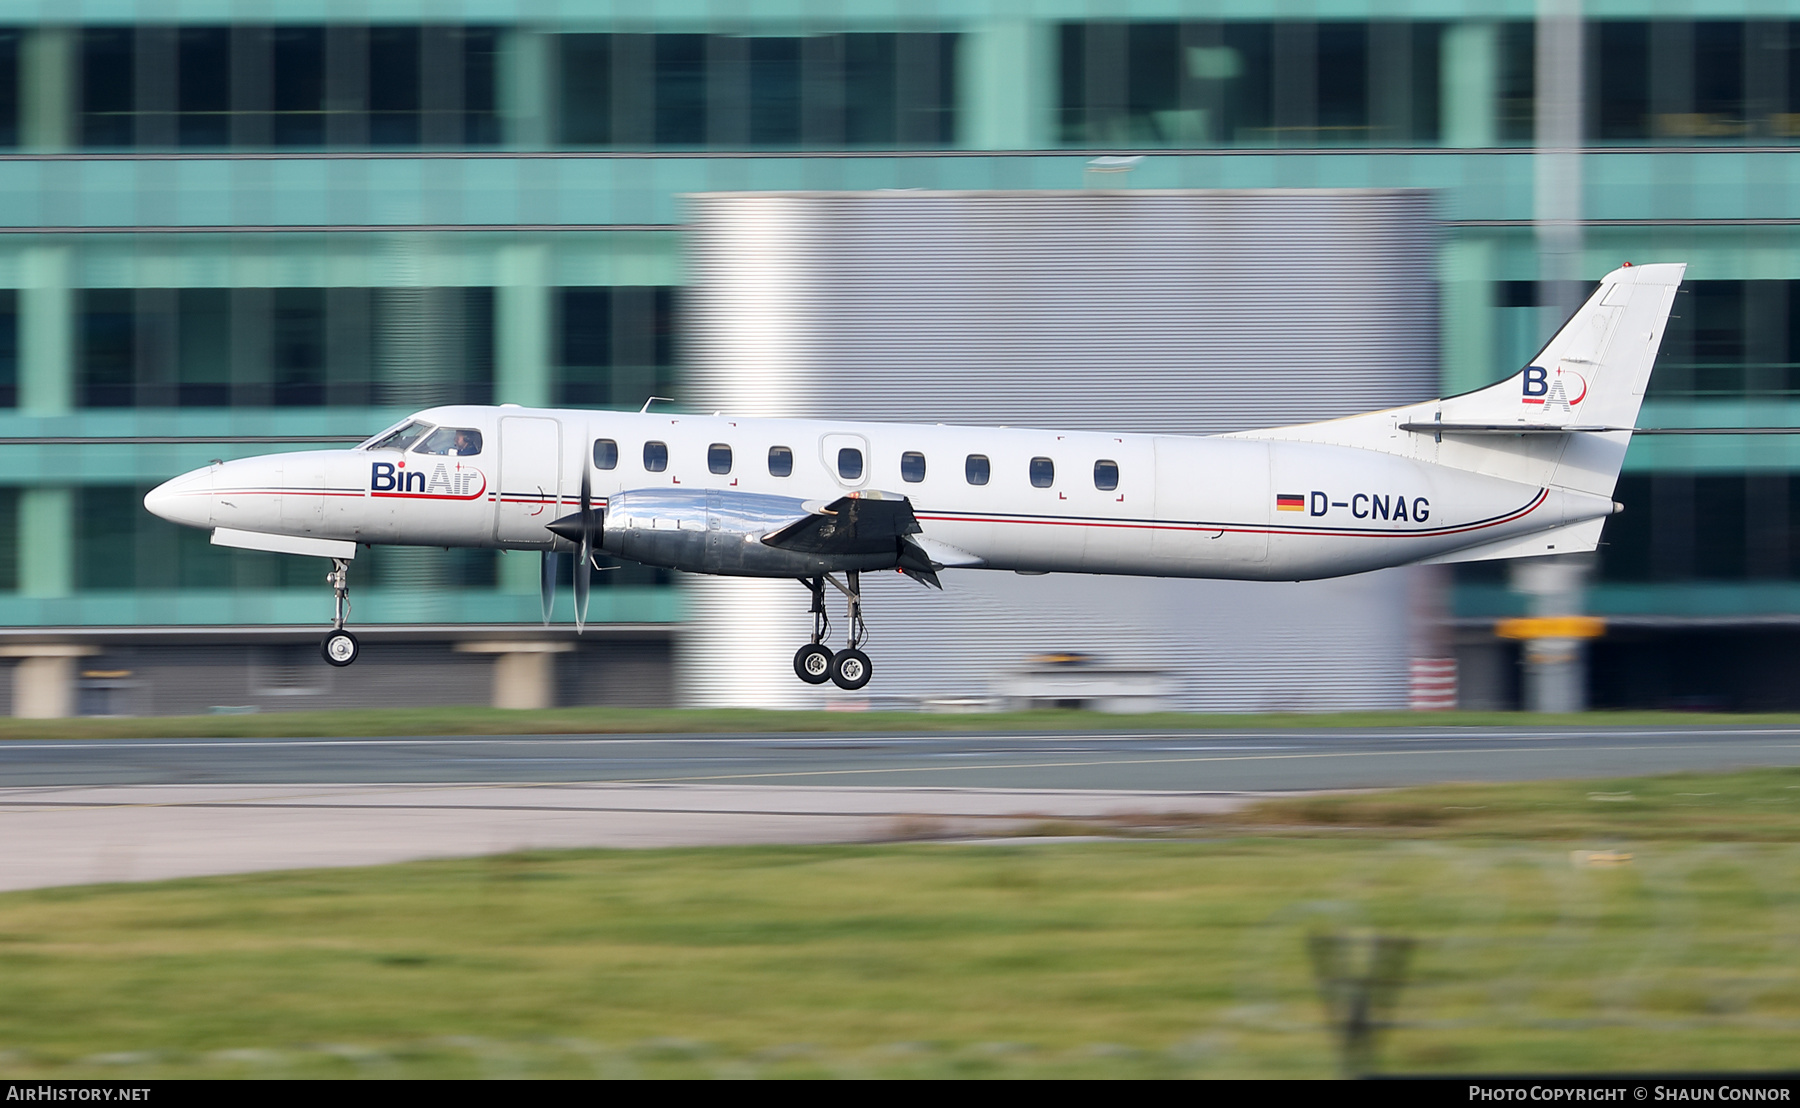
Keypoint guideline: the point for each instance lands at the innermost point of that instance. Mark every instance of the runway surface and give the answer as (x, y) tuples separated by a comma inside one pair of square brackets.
[(83, 835), (1208, 761), (78, 811)]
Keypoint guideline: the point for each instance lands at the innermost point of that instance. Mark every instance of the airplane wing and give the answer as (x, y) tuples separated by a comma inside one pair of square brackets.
[(860, 523)]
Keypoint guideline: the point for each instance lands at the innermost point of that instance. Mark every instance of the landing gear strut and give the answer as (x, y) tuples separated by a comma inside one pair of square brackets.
[(814, 663), (340, 648)]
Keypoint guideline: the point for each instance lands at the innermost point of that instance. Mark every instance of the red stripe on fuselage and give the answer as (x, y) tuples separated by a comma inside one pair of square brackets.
[(427, 496), (1243, 529)]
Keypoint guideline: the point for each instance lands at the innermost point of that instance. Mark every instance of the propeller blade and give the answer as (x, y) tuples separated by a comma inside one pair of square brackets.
[(547, 583), (589, 528), (590, 519), (584, 562)]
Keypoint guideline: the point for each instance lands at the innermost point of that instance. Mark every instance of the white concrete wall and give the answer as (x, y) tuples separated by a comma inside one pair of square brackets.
[(1167, 312)]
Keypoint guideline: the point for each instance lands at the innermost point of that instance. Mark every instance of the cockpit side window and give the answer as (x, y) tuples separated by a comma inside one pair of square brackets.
[(458, 441), (400, 438)]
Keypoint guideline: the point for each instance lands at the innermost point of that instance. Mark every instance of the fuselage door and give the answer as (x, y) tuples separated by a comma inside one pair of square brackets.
[(846, 458), (530, 479), (1212, 504)]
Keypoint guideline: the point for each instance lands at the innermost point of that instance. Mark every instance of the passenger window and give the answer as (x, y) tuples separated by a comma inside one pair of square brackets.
[(1106, 475), (656, 456), (460, 442), (976, 469), (850, 463), (1043, 473), (912, 466), (606, 454), (718, 458), (781, 461)]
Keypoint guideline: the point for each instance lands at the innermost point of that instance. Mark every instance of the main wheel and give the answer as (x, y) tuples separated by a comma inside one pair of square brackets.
[(812, 664), (850, 669), (340, 648)]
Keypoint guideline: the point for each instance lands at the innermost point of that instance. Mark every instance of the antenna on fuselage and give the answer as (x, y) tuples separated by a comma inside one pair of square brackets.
[(652, 400)]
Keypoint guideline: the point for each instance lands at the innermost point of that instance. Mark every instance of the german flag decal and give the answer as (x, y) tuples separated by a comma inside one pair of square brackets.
[(1290, 502)]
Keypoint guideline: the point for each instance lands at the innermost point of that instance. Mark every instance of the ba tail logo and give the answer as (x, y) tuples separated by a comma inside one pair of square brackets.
[(1563, 389), (444, 483)]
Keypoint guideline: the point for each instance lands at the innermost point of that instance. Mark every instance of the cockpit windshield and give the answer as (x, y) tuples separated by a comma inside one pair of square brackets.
[(458, 441), (400, 438)]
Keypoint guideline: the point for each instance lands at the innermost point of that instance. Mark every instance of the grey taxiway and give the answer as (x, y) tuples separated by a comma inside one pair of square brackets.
[(79, 811)]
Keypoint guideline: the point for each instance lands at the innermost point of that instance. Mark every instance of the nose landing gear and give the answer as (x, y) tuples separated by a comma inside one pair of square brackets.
[(814, 663), (340, 648)]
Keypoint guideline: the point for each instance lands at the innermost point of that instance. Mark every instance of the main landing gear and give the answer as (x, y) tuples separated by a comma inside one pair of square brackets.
[(340, 648), (814, 663)]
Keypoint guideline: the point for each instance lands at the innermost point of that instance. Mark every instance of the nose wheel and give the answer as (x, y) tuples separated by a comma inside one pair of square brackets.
[(814, 663), (340, 648)]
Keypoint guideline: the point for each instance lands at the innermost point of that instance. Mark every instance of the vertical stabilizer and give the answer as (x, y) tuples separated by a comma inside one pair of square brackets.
[(1592, 374), (1589, 378)]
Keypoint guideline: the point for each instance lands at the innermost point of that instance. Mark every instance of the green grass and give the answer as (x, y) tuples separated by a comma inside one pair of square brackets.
[(465, 720), (1761, 805), (1153, 955)]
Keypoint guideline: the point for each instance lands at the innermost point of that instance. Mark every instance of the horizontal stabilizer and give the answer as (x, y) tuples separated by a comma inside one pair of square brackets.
[(283, 544), (1570, 429), (1503, 428)]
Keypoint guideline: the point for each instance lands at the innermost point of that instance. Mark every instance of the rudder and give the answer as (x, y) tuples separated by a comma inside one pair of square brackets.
[(1592, 374)]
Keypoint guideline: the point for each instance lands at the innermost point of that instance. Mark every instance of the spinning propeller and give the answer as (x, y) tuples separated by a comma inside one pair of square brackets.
[(582, 529), (547, 582)]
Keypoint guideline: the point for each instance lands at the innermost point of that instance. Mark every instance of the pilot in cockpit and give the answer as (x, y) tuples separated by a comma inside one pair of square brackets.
[(456, 442)]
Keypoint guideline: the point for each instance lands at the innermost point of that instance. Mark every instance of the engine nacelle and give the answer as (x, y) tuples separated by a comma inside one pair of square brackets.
[(719, 531)]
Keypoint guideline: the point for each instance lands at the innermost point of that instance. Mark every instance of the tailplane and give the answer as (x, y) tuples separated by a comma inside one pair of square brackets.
[(1564, 421)]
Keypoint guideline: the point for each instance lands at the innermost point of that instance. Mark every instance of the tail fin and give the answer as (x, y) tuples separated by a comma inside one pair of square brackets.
[(1564, 421), (1587, 383), (1593, 373)]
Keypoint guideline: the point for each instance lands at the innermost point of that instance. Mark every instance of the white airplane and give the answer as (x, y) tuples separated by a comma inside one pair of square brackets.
[(1524, 467)]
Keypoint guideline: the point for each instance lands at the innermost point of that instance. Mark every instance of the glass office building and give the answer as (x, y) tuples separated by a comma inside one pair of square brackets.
[(234, 219)]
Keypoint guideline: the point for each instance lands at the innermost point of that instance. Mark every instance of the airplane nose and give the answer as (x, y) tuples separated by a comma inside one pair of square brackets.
[(187, 499)]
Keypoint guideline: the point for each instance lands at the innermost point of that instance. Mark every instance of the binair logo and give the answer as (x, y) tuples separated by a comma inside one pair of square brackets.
[(443, 483), (1563, 389)]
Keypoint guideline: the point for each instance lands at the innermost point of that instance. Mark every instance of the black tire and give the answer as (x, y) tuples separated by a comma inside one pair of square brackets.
[(850, 669), (340, 648), (812, 664)]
